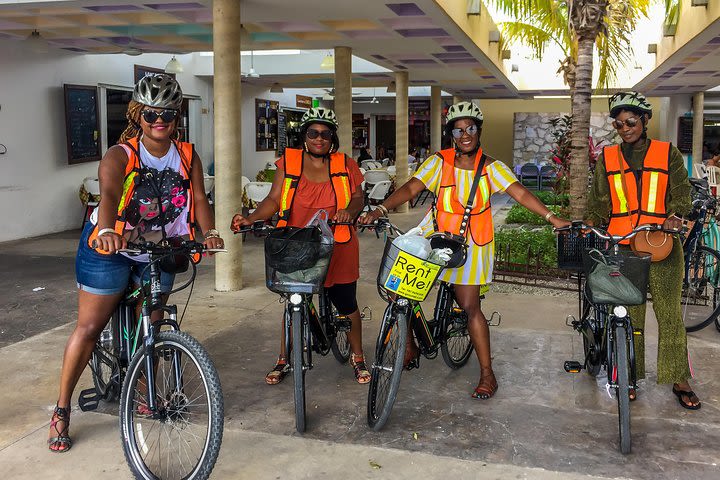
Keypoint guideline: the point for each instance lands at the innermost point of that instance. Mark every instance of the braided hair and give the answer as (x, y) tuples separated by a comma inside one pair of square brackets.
[(133, 129)]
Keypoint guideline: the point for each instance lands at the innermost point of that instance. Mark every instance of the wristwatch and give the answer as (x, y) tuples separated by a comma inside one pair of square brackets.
[(212, 233)]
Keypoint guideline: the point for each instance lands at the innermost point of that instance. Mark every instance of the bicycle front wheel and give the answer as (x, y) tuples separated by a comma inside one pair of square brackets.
[(298, 370), (701, 292), (182, 437), (387, 368), (622, 363)]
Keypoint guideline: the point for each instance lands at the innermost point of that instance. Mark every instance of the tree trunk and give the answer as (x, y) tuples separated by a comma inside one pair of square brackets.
[(580, 110)]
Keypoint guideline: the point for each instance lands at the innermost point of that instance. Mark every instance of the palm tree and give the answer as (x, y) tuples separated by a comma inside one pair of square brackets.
[(578, 27)]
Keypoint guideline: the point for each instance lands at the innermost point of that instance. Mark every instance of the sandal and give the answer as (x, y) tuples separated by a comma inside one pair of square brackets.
[(690, 396), (632, 394), (362, 375), (277, 374), (412, 360), (486, 388), (61, 442)]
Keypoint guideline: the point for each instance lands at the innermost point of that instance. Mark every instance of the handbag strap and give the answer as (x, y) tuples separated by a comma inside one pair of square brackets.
[(468, 205)]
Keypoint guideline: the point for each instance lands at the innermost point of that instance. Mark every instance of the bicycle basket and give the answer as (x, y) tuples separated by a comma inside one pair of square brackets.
[(406, 275), (296, 260), (616, 279), (570, 248)]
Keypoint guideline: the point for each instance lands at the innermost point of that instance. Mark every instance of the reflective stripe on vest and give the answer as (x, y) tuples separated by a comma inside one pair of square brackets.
[(631, 207), (450, 210), (340, 183), (132, 170)]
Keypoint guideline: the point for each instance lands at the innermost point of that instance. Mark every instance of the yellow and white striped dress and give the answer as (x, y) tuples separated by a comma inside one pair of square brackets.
[(478, 268)]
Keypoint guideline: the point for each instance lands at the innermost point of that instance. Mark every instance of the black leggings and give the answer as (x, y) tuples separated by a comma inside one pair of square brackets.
[(344, 297)]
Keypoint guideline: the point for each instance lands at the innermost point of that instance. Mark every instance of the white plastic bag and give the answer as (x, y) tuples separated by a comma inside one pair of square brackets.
[(320, 220), (414, 242), (440, 256)]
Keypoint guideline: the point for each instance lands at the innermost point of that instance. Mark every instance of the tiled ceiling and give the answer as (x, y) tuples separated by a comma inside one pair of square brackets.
[(417, 37), (695, 67)]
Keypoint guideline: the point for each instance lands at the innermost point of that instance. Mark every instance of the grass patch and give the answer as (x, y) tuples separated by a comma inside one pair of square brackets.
[(540, 241), (552, 198), (520, 214)]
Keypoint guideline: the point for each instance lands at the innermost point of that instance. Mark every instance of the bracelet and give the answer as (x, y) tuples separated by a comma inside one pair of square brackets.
[(383, 209), (212, 233), (548, 215), (106, 230)]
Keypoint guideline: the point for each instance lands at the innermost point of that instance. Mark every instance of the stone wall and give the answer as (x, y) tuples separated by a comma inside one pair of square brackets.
[(533, 139)]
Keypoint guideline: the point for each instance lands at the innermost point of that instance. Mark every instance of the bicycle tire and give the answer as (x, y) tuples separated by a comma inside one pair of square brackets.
[(180, 411), (593, 361), (340, 342), (700, 302), (623, 387), (387, 368), (298, 370), (456, 346)]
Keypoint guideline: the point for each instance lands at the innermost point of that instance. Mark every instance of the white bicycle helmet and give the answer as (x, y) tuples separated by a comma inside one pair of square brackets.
[(464, 110), (319, 115), (158, 90), (629, 101)]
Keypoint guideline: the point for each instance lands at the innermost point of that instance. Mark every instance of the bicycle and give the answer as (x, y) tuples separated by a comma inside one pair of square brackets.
[(605, 325), (320, 330), (171, 401), (446, 331), (701, 290)]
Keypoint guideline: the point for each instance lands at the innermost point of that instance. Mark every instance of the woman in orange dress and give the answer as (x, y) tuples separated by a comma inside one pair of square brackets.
[(323, 179)]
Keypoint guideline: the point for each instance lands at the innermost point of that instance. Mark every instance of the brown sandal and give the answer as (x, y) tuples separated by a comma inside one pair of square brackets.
[(277, 374), (62, 441), (362, 375), (488, 385)]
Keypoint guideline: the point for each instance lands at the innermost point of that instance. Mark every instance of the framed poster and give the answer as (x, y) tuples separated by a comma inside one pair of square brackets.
[(266, 125), (141, 71), (303, 101), (82, 123), (685, 134)]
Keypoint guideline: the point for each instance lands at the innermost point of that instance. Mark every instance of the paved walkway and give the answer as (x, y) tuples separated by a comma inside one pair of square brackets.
[(542, 424)]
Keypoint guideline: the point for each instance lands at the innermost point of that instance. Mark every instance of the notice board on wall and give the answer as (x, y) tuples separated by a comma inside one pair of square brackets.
[(82, 123), (685, 134)]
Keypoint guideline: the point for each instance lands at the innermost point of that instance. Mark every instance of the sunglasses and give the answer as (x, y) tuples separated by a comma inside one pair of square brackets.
[(470, 130), (312, 134), (630, 122), (151, 116)]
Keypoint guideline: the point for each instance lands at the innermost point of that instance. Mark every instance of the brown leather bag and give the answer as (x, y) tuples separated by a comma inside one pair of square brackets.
[(655, 243)]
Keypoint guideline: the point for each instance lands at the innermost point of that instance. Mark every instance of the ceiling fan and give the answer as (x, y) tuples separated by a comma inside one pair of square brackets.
[(133, 49), (330, 94), (373, 100), (251, 73)]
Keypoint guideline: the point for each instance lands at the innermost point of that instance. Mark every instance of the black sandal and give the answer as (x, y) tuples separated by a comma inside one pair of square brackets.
[(689, 394), (277, 374), (62, 440)]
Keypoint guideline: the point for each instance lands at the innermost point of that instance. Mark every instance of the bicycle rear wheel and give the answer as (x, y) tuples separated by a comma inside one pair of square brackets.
[(622, 363), (105, 373), (182, 437), (341, 325), (298, 369), (456, 347), (701, 290), (387, 368)]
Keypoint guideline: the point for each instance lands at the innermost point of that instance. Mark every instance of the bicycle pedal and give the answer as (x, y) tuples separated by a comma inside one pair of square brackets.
[(88, 400), (495, 319), (571, 366), (366, 314), (571, 321)]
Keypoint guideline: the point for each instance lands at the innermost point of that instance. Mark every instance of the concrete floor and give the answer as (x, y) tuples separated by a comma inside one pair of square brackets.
[(542, 424)]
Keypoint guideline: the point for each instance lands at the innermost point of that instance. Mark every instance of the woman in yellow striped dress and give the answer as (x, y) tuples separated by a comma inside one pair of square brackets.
[(450, 174)]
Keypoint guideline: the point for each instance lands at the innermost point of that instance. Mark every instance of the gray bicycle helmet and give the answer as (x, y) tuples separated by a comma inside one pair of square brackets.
[(158, 90), (629, 101)]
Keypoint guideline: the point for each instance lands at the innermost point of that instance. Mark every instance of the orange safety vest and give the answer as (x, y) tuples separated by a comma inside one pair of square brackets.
[(340, 183), (132, 178), (449, 208), (631, 207)]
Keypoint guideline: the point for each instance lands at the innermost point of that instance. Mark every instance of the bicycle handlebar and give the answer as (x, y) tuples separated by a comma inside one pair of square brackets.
[(260, 228), (187, 247), (380, 225), (578, 226)]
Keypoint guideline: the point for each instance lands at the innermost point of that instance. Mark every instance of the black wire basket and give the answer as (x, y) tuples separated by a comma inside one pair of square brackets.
[(570, 248), (309, 279)]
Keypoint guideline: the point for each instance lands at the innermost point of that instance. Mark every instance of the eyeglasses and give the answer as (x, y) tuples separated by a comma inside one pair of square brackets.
[(151, 116), (470, 130), (312, 134), (630, 122)]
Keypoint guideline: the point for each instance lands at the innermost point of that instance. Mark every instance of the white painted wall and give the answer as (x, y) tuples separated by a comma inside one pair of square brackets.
[(38, 189)]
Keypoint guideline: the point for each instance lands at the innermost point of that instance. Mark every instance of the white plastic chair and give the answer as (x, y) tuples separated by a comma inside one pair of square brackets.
[(700, 170), (379, 192), (374, 176), (92, 187), (244, 181), (362, 170), (392, 170), (257, 191), (209, 181), (713, 175)]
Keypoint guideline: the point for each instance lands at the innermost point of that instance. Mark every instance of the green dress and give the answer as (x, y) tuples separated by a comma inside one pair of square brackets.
[(666, 276)]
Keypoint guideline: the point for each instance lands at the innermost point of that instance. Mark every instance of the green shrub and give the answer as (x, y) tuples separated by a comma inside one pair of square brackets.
[(552, 198), (542, 240), (520, 214)]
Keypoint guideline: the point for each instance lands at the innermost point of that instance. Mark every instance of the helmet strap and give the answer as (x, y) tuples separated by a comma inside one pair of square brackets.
[(314, 155)]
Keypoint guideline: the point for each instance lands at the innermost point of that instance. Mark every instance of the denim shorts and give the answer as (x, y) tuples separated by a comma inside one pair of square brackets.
[(109, 274)]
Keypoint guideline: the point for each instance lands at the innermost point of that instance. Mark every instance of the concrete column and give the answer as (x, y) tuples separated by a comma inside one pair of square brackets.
[(435, 119), (228, 146), (401, 133), (698, 120), (457, 99), (343, 97)]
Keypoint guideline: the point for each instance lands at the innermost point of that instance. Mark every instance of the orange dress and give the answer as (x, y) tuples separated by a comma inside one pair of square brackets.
[(311, 197)]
